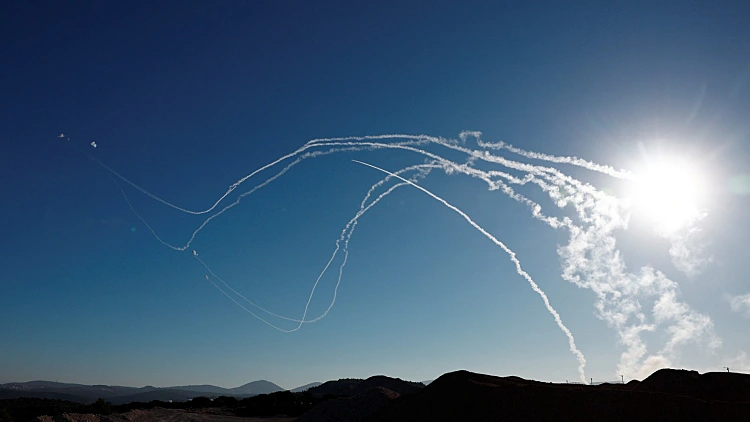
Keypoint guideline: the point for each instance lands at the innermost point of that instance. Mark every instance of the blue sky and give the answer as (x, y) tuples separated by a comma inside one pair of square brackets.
[(186, 98)]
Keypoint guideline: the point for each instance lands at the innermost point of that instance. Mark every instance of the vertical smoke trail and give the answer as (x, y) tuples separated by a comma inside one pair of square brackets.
[(519, 270)]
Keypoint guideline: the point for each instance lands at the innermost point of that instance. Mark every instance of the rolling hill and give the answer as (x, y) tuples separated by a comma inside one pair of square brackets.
[(667, 395)]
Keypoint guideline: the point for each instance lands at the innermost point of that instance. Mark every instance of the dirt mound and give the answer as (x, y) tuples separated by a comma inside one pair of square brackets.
[(464, 395), (350, 409)]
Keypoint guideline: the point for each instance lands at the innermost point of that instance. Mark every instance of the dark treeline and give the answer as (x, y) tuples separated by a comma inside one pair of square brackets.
[(283, 402), (26, 408)]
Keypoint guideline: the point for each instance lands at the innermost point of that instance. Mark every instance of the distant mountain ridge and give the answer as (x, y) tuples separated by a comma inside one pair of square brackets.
[(305, 387), (82, 393), (86, 394), (251, 388)]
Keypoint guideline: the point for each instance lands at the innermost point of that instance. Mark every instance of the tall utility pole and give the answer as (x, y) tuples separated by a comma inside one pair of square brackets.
[(622, 377)]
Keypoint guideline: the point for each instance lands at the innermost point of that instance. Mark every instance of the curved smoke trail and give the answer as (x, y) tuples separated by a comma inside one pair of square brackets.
[(590, 260)]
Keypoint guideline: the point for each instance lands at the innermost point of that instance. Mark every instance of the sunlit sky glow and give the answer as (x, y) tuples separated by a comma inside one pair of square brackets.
[(573, 201), (670, 192)]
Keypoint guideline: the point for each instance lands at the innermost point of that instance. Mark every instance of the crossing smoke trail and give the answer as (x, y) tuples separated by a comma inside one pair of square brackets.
[(589, 260), (512, 255), (345, 236)]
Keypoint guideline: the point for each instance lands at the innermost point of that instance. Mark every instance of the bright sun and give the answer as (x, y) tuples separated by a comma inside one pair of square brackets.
[(669, 193)]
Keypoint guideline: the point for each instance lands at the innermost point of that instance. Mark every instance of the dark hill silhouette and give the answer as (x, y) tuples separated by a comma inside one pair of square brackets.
[(256, 387), (162, 394), (305, 387), (16, 394), (350, 409), (352, 386), (38, 384), (358, 399), (250, 389), (724, 386), (342, 387), (463, 395), (204, 389), (393, 384), (86, 394)]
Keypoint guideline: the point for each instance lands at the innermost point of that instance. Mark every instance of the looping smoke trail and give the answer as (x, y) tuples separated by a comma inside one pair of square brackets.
[(416, 140), (448, 166), (512, 255), (340, 147), (413, 140), (346, 235), (590, 259)]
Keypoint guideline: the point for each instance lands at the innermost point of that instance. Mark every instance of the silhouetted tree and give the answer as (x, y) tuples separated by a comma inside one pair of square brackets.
[(225, 401), (101, 407), (199, 402), (5, 415)]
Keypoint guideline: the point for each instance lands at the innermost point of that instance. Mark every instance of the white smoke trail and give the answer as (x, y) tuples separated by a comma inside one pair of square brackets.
[(226, 208), (450, 167), (416, 140), (361, 142), (519, 269), (589, 165), (352, 141), (590, 260), (413, 140), (346, 235)]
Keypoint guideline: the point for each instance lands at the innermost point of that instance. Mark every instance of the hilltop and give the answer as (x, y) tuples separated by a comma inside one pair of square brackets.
[(666, 395)]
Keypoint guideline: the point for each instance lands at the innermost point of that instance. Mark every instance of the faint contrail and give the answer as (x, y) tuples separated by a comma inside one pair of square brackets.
[(512, 255)]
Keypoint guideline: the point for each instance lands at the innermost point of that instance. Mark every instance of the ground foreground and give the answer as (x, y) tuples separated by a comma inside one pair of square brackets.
[(160, 415)]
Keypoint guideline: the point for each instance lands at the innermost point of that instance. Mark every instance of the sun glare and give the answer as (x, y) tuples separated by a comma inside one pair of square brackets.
[(669, 194)]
